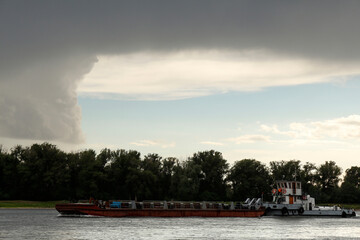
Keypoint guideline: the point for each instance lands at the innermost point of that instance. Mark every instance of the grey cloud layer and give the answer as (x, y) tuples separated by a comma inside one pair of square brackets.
[(47, 46), (317, 28)]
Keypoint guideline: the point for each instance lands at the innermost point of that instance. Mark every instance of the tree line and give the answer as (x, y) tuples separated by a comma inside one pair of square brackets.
[(44, 172)]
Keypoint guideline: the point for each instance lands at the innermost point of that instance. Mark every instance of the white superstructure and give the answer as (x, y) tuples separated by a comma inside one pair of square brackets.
[(290, 192), (289, 199)]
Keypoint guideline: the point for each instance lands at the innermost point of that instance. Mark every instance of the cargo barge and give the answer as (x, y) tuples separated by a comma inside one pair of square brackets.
[(163, 209), (288, 200)]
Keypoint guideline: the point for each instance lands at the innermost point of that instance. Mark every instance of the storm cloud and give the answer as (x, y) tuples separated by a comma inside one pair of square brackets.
[(47, 47)]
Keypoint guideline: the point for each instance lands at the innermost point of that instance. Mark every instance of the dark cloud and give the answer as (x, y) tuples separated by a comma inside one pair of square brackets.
[(318, 28), (47, 46)]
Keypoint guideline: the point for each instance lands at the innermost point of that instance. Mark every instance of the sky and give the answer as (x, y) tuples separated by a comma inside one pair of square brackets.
[(268, 80)]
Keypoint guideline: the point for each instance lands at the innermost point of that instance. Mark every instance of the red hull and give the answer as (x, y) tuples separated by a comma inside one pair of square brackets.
[(91, 209)]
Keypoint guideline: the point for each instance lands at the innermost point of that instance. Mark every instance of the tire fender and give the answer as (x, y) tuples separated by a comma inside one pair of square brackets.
[(301, 211), (284, 211)]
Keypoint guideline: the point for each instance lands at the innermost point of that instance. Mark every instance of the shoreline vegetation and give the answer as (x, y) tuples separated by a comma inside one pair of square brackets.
[(24, 204), (45, 173), (29, 204)]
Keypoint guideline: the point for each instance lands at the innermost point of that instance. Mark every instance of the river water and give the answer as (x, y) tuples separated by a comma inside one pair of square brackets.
[(48, 224)]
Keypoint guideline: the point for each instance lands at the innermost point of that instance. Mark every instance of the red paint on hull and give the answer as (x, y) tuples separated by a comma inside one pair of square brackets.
[(91, 209)]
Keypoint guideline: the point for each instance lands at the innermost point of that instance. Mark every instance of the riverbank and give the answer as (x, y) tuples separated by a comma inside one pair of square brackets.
[(51, 204), (29, 204)]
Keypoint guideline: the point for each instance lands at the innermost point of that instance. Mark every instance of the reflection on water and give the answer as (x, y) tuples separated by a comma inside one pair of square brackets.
[(47, 224)]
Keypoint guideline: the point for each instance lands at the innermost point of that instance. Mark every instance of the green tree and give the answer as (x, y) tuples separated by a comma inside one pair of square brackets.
[(350, 188), (328, 175), (87, 174), (9, 176), (328, 178), (124, 174), (249, 178), (43, 172), (103, 160), (185, 184), (212, 175), (285, 170), (167, 172), (308, 176), (151, 176)]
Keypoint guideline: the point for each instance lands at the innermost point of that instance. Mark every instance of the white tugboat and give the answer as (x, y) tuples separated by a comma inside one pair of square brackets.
[(289, 200)]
